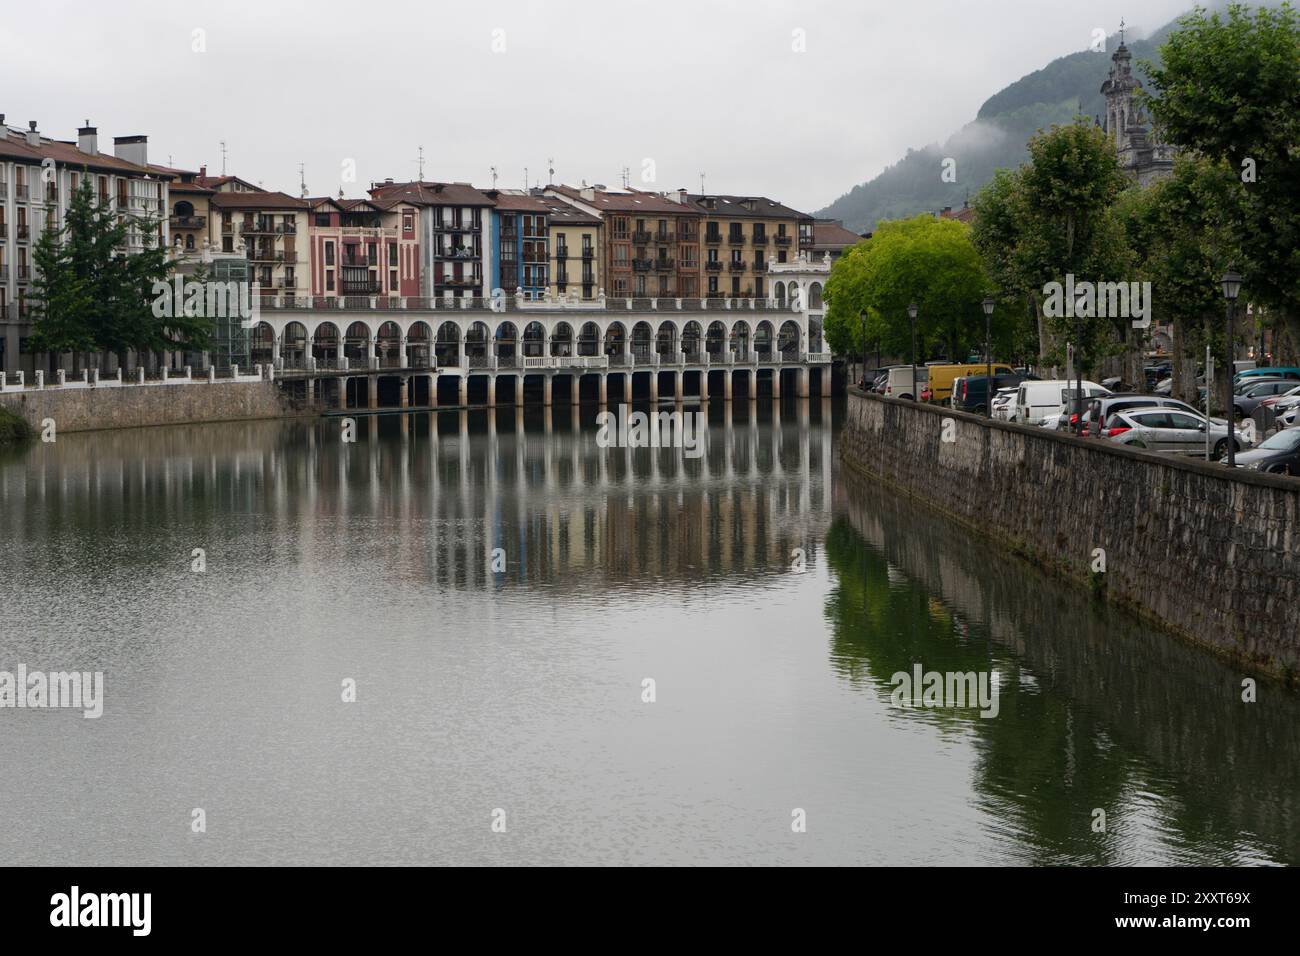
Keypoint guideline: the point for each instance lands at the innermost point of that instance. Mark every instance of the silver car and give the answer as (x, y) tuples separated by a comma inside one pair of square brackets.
[(1171, 430)]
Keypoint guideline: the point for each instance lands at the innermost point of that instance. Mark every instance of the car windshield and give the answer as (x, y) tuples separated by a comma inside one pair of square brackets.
[(1287, 440)]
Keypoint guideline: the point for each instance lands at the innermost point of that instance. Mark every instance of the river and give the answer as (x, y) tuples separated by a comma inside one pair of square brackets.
[(481, 638)]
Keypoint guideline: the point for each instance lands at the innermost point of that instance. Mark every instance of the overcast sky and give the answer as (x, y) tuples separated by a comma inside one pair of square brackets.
[(666, 88)]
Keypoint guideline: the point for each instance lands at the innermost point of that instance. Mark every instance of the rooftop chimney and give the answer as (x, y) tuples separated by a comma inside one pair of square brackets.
[(587, 193), (33, 136), (132, 149), (87, 140)]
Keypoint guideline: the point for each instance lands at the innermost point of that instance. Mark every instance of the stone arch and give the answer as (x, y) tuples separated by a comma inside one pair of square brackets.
[(814, 295), (763, 339), (788, 340), (325, 342), (476, 344), (616, 339), (446, 344), (666, 339), (589, 339), (642, 341), (294, 344), (740, 340), (692, 336), (261, 344), (388, 344), (778, 293), (715, 339), (419, 340), (506, 344), (562, 339), (534, 339), (356, 344)]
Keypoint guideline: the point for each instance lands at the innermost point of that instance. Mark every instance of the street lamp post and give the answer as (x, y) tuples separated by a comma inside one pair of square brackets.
[(988, 305), (1231, 287), (911, 314)]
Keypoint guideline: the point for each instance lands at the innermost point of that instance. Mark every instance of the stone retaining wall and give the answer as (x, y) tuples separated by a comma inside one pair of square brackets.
[(130, 406), (1211, 557)]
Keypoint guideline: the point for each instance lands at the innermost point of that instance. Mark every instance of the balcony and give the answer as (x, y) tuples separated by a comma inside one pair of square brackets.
[(688, 235), (561, 252), (21, 191), (663, 265), (4, 271), (458, 254), (265, 255), (665, 237), (737, 267), (360, 288), (293, 284), (713, 266), (758, 239), (588, 253), (783, 240), (642, 265), (456, 227), (227, 228), (641, 237), (24, 273), (712, 238), (736, 239), (24, 232), (385, 232), (189, 222)]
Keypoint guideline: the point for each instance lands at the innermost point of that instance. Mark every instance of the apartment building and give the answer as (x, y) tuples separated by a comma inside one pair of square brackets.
[(830, 238), (576, 250), (452, 231), (519, 244), (362, 247), (652, 241), (271, 230), (38, 177), (188, 210), (741, 234)]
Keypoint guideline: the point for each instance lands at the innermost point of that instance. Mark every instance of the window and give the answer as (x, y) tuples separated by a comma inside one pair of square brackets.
[(372, 254), (736, 232), (322, 219), (329, 280), (392, 279), (408, 220), (713, 284), (329, 253), (663, 285), (392, 253), (640, 286), (735, 286), (758, 287), (620, 227)]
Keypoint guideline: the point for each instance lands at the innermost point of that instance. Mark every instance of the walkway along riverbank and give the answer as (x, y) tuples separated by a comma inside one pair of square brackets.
[(1210, 556)]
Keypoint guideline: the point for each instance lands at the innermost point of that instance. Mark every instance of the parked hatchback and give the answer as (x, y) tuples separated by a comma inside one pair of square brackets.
[(1170, 430), (1278, 454), (1103, 407)]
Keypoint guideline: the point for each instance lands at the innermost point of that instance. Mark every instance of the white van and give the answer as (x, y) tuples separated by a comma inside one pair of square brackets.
[(1038, 400), (899, 384)]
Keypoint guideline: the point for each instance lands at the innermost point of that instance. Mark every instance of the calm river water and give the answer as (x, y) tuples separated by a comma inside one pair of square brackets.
[(516, 696)]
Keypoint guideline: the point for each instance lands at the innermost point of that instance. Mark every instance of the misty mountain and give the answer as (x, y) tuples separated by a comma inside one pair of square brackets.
[(996, 138)]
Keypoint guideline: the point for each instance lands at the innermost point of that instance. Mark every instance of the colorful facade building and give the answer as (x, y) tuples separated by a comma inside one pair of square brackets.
[(271, 229), (576, 250), (362, 247), (652, 241), (741, 235), (38, 177), (519, 244), (452, 232)]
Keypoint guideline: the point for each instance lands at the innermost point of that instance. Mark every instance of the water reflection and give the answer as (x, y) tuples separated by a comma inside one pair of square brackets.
[(1096, 710)]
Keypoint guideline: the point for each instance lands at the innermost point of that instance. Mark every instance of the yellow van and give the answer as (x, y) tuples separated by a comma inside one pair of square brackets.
[(942, 377)]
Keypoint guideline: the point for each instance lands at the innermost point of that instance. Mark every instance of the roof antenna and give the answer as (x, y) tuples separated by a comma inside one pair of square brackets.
[(701, 184), (420, 164), (302, 180), (550, 179), (223, 157), (494, 176), (525, 179)]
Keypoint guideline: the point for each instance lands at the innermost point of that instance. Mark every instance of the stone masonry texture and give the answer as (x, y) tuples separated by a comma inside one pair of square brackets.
[(1212, 558), (129, 406)]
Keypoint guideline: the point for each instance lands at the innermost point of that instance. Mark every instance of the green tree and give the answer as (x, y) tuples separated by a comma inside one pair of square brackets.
[(1229, 90), (90, 294), (927, 261)]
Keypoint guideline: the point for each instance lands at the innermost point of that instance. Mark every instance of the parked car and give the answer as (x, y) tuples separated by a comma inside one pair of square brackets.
[(969, 392), (1004, 404), (1101, 408), (1279, 454), (942, 377), (899, 383), (1282, 371), (1253, 395), (1169, 430), (1037, 400)]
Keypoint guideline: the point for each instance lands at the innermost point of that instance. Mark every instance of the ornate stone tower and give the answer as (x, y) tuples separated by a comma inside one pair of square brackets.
[(1126, 124)]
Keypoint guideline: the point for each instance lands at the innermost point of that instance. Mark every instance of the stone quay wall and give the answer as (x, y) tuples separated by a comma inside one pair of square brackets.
[(1206, 554), (76, 409)]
